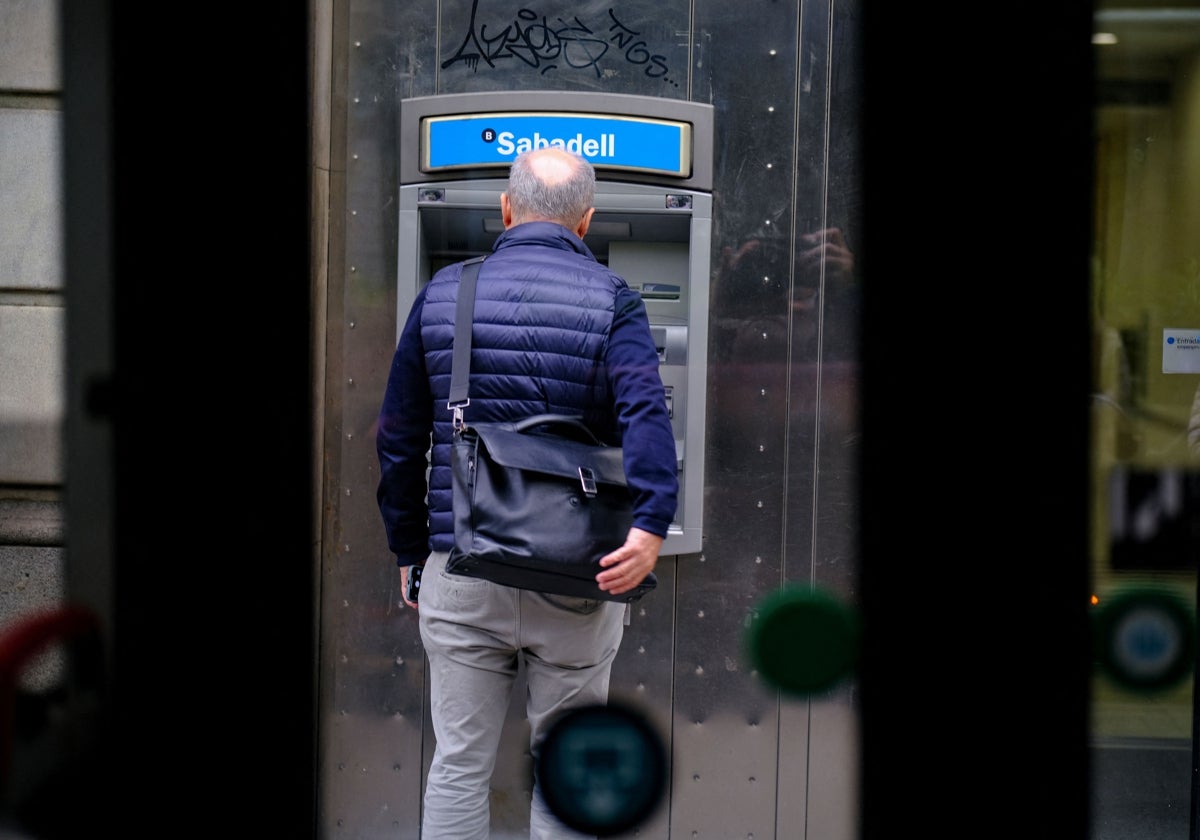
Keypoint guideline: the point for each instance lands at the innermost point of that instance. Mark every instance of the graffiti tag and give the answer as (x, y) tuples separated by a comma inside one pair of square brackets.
[(545, 45)]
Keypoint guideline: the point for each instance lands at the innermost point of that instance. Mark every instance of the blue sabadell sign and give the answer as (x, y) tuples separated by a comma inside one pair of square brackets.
[(611, 142)]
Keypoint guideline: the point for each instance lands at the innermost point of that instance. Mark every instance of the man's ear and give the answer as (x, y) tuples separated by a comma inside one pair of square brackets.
[(585, 223), (505, 211)]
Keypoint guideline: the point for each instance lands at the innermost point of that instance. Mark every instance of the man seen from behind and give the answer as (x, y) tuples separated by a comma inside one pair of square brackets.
[(556, 332)]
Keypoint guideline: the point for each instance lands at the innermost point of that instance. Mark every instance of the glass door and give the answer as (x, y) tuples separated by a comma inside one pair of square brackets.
[(1145, 486)]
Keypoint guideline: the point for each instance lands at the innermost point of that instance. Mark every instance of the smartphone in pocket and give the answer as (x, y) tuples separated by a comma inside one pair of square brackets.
[(414, 583)]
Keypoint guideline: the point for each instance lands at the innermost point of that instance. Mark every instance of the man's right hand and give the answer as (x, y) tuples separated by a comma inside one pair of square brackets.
[(629, 565)]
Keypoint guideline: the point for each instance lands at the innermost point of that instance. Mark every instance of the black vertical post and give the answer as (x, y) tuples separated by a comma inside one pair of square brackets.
[(975, 355), (203, 167)]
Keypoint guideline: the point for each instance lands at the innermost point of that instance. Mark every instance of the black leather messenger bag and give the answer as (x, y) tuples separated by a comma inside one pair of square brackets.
[(537, 502)]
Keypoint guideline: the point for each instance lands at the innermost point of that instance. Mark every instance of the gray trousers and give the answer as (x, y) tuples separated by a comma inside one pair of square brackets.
[(474, 633)]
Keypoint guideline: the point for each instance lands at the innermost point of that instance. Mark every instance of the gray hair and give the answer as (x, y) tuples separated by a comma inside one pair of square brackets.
[(551, 184)]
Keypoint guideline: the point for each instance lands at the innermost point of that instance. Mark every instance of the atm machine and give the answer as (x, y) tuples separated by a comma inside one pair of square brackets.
[(652, 225)]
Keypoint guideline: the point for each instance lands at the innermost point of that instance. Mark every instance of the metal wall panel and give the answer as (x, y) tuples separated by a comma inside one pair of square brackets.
[(822, 510), (728, 726), (372, 674), (781, 433)]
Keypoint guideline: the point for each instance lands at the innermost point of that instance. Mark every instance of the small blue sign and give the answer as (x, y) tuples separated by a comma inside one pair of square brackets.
[(470, 141)]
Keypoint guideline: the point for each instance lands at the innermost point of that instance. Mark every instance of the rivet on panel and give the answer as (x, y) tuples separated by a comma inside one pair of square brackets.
[(762, 392), (699, 670), (351, 325), (358, 44), (349, 435), (641, 648), (355, 212), (356, 100), (771, 52), (353, 269), (696, 777), (641, 686), (347, 491), (700, 614), (758, 504), (770, 166), (762, 448), (399, 660), (770, 109), (350, 381)]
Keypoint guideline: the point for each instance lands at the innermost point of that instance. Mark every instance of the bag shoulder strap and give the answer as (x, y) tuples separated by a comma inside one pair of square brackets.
[(464, 316)]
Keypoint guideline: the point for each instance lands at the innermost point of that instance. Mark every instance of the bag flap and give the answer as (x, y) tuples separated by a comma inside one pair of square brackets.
[(550, 454)]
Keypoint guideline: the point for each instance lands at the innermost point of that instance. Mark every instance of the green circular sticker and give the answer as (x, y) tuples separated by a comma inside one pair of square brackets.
[(803, 640), (1145, 639), (602, 769)]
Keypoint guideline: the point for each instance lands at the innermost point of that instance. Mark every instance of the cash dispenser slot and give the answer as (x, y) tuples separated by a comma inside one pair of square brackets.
[(659, 291)]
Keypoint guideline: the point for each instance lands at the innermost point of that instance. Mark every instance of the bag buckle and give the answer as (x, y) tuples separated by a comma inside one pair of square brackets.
[(457, 408), (587, 480)]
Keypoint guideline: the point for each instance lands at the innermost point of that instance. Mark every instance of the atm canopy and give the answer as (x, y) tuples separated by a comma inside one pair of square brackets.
[(643, 139)]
